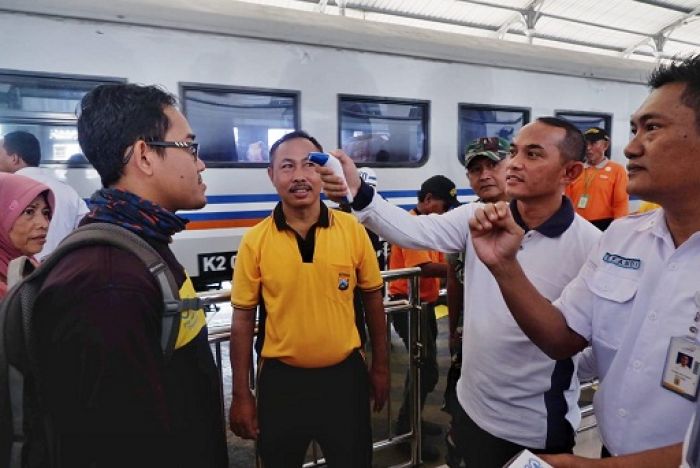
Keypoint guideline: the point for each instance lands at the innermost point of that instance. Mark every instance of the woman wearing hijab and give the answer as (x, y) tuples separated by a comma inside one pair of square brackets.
[(25, 211)]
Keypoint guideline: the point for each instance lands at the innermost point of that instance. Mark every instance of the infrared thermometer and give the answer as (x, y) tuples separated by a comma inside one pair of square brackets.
[(326, 160)]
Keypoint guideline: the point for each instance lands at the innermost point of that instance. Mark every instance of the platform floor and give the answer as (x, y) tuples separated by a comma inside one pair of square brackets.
[(241, 452)]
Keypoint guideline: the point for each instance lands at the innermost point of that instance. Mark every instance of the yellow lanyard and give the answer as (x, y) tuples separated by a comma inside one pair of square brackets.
[(588, 179)]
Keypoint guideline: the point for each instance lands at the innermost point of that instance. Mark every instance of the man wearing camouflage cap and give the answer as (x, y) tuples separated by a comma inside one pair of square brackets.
[(486, 172)]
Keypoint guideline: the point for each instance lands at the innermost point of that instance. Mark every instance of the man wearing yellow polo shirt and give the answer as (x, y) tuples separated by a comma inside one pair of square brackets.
[(303, 263)]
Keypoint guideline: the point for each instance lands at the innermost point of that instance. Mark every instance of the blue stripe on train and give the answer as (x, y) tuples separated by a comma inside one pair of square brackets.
[(222, 215), (273, 197), (258, 214)]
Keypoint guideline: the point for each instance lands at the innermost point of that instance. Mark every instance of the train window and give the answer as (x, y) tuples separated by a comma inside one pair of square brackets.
[(383, 132), (237, 126), (477, 120), (45, 105), (586, 120), (59, 142)]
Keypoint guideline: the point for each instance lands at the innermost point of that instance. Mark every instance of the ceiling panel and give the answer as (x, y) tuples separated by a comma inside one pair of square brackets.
[(689, 32), (596, 25), (624, 14), (568, 31)]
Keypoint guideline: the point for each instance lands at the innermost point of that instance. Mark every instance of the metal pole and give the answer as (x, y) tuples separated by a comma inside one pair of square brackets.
[(416, 361), (220, 365), (389, 320)]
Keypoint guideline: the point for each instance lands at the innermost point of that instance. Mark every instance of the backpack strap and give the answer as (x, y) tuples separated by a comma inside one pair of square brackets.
[(7, 423), (17, 348), (19, 268), (116, 236)]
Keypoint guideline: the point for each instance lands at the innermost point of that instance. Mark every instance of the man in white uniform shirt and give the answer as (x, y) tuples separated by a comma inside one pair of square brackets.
[(20, 153), (512, 395), (636, 300)]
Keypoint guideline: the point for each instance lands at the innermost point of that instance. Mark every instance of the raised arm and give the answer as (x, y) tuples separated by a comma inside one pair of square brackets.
[(663, 457), (446, 233), (497, 238)]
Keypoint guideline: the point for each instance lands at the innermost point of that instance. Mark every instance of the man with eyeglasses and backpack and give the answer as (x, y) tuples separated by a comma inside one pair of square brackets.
[(111, 386)]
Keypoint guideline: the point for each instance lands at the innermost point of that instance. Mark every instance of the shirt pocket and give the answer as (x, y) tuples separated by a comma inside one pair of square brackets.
[(339, 282), (614, 296)]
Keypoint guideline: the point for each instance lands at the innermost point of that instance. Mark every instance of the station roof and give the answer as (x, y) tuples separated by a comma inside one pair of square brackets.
[(640, 29)]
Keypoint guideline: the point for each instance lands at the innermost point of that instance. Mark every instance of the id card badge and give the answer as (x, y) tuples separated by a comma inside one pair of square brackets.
[(682, 370), (582, 202), (527, 459)]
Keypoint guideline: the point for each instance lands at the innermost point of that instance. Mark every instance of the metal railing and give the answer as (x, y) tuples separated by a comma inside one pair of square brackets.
[(587, 410), (416, 324)]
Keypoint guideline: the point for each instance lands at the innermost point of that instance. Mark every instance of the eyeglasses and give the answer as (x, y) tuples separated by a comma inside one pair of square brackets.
[(191, 147)]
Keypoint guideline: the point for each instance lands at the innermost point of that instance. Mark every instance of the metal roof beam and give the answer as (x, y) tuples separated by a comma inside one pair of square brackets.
[(658, 40), (665, 6), (503, 29), (531, 15)]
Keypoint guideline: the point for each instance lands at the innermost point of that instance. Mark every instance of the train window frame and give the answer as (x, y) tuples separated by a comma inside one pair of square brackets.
[(295, 94), (50, 119), (606, 116), (462, 146), (425, 126)]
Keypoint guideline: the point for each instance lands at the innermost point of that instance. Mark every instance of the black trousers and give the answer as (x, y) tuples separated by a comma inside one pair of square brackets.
[(329, 405), (480, 449), (429, 371)]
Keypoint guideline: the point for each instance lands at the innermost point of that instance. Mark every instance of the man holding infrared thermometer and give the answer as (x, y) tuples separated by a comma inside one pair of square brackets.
[(511, 395)]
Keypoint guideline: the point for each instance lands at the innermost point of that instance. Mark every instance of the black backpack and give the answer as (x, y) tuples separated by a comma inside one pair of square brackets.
[(20, 406)]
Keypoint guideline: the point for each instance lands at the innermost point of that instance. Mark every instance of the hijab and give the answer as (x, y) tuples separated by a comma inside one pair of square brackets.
[(16, 193)]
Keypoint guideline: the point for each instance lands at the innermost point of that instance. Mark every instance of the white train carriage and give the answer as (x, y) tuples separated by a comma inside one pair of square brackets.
[(401, 100)]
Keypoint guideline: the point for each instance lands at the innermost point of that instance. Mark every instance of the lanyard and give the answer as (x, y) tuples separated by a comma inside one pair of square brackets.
[(694, 329), (588, 179)]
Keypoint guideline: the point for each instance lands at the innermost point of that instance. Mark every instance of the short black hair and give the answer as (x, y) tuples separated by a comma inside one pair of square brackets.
[(112, 117), (686, 71), (291, 136), (25, 145), (573, 146)]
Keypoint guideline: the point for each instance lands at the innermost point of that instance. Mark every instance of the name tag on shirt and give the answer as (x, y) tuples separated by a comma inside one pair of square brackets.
[(582, 202), (682, 369)]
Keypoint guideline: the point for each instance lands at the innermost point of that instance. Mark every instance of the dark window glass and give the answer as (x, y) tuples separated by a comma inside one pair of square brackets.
[(585, 120), (384, 132), (41, 94), (59, 143), (45, 106), (477, 121), (237, 126)]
